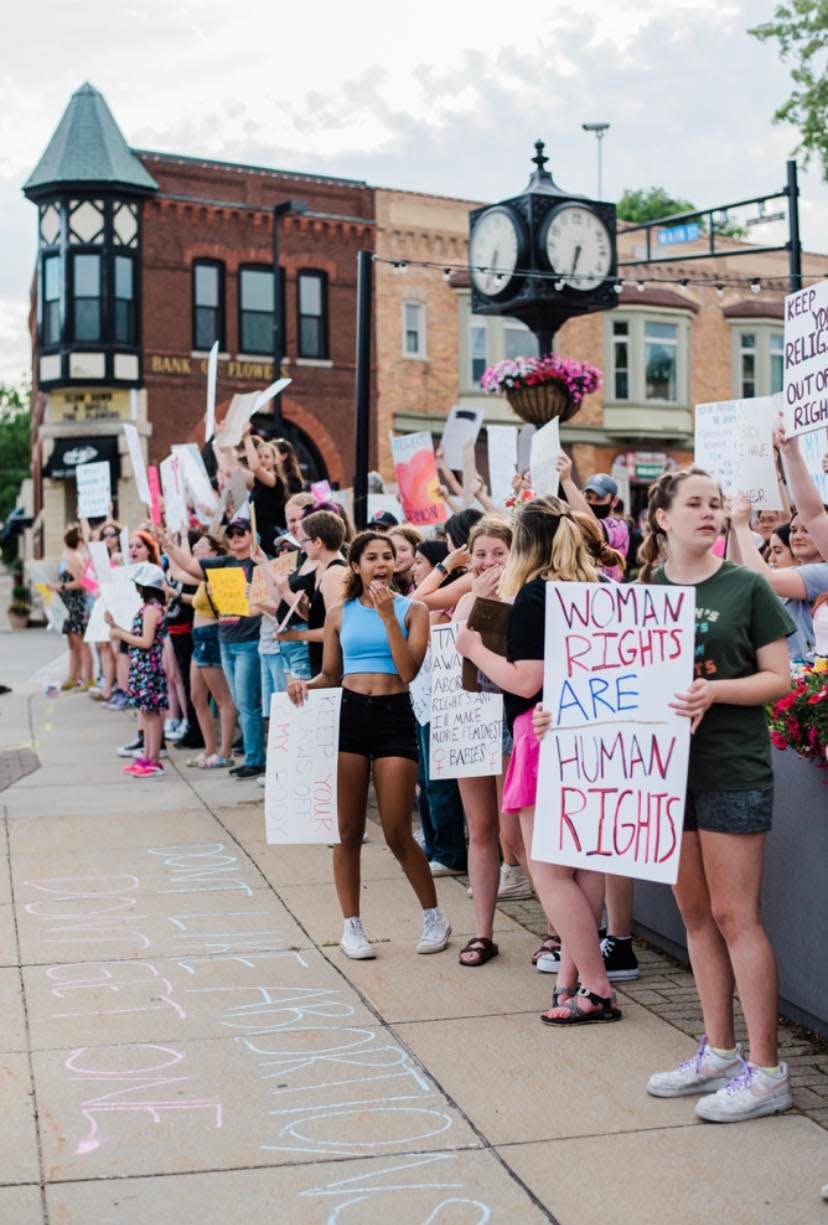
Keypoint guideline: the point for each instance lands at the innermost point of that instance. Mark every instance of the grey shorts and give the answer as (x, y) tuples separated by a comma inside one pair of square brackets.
[(729, 812)]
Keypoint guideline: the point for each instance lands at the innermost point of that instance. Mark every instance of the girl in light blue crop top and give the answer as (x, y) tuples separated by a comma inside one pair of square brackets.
[(375, 642)]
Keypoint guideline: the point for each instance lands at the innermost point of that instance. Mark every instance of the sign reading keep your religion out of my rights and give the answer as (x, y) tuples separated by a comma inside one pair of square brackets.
[(613, 765), (806, 359)]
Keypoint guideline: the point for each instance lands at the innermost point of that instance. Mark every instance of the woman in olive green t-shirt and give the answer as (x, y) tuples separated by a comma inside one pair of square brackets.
[(741, 665)]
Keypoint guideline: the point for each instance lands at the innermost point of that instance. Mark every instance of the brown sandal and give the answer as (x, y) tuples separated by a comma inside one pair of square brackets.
[(486, 949), (551, 944)]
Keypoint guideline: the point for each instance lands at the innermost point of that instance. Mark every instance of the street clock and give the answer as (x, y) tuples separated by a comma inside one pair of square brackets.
[(569, 240)]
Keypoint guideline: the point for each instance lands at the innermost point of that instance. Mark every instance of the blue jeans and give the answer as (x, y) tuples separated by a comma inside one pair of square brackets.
[(274, 678), (295, 655), (441, 811), (240, 664)]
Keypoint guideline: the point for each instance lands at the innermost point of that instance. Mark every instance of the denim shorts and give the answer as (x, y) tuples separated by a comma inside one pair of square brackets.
[(382, 726), (206, 650), (729, 812)]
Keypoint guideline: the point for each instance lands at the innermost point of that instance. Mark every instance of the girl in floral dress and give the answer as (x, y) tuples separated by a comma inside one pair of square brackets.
[(147, 681)]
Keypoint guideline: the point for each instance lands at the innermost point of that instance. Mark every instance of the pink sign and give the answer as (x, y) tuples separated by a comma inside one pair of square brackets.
[(155, 493), (418, 484)]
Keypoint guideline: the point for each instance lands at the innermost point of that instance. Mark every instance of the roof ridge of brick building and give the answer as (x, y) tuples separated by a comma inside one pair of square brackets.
[(88, 150), (190, 160)]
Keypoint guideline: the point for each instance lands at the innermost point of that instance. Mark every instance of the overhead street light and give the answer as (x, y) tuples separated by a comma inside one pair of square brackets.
[(599, 129)]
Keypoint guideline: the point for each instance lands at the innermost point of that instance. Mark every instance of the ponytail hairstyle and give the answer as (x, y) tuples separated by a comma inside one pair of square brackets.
[(662, 493), (548, 544), (596, 542), (360, 542)]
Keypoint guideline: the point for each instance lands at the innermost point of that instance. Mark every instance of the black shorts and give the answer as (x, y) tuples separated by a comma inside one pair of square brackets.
[(382, 726), (729, 812)]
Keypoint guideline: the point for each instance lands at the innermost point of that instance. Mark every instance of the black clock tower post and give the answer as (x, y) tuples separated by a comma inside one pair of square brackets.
[(569, 240)]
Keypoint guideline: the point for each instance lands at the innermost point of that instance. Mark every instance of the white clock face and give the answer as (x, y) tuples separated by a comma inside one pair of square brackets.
[(578, 247), (493, 251)]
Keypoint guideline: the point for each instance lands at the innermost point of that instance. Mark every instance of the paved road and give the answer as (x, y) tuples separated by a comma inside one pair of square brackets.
[(181, 1040)]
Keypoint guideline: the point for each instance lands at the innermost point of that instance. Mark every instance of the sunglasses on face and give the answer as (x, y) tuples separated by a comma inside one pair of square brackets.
[(109, 535), (236, 532)]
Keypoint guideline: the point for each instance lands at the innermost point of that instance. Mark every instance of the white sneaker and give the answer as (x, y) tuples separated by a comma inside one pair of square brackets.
[(704, 1073), (435, 933), (514, 883), (179, 731), (170, 728), (440, 869), (749, 1095), (549, 963), (354, 942)]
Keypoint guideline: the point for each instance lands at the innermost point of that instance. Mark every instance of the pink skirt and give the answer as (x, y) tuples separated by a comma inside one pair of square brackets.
[(520, 786)]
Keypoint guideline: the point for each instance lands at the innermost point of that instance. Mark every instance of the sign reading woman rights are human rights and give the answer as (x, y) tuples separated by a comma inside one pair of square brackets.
[(613, 766)]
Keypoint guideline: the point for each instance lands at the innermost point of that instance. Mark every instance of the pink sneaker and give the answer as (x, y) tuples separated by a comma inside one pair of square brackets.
[(149, 769), (136, 766)]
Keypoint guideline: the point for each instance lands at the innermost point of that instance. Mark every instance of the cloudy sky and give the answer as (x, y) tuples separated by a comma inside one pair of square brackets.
[(441, 97)]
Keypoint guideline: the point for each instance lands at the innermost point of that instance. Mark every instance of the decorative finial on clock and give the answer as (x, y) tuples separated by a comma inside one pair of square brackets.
[(539, 159)]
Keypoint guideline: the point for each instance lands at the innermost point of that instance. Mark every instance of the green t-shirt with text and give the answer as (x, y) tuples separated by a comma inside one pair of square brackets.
[(736, 614)]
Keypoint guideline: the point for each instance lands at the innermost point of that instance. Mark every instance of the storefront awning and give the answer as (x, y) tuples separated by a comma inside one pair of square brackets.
[(85, 449)]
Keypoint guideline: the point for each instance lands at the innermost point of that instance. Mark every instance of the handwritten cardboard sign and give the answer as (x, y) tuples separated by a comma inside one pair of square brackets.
[(734, 443), (466, 728), (94, 491), (613, 766), (228, 586), (805, 388), (301, 770), (418, 484), (420, 691), (260, 593)]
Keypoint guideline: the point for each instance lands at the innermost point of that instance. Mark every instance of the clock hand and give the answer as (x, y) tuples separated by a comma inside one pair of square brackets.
[(575, 260)]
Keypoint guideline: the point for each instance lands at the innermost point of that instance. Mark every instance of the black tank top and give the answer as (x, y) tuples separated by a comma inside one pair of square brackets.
[(316, 618)]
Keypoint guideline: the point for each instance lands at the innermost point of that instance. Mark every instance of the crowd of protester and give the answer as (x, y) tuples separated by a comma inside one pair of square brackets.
[(356, 611)]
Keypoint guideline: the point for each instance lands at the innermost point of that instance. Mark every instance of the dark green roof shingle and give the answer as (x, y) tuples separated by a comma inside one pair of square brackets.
[(88, 149)]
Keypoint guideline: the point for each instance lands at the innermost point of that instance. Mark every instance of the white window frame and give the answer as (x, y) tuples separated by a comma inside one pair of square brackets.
[(421, 353), (478, 322), (765, 331), (637, 318)]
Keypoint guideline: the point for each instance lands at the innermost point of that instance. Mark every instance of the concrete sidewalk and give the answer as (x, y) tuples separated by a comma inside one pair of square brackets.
[(183, 1042)]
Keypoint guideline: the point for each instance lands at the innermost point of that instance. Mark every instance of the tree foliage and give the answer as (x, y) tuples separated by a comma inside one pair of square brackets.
[(650, 204), (15, 451), (801, 29)]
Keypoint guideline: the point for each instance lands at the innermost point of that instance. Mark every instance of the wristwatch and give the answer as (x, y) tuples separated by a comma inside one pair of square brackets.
[(441, 568)]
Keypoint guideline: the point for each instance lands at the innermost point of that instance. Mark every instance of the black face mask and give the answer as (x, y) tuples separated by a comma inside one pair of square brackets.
[(601, 510)]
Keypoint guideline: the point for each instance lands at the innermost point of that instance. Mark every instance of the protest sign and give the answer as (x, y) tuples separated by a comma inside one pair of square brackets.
[(379, 502), (175, 495), (155, 494), (814, 447), (242, 408), (54, 608), (94, 491), (543, 452), (462, 426), (417, 481), (805, 388), (139, 467), (734, 443), (205, 498), (300, 774), (235, 496), (212, 376), (227, 589), (469, 474), (613, 765), (259, 591), (321, 491), (101, 564), (502, 443), (524, 449), (466, 728), (419, 690), (122, 600)]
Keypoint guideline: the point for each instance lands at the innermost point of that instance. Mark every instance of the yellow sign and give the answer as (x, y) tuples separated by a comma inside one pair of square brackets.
[(97, 405), (179, 365), (259, 591), (228, 586)]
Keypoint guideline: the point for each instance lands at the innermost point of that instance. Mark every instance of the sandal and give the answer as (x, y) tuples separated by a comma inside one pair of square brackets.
[(197, 763), (551, 944), (558, 994), (216, 762), (484, 948), (575, 1016)]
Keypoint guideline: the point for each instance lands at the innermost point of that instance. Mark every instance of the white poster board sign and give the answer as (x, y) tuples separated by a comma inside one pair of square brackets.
[(545, 449), (466, 728), (94, 490), (462, 426), (139, 467), (419, 690), (805, 387), (734, 443), (502, 444), (101, 564), (814, 447), (302, 756), (175, 493), (613, 766), (524, 455), (242, 408), (212, 377), (205, 499)]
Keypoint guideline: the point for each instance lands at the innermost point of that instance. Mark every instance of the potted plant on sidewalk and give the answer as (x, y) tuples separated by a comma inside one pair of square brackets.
[(20, 607)]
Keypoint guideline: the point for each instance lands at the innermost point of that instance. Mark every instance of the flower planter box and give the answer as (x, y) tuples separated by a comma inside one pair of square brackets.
[(18, 621), (794, 897)]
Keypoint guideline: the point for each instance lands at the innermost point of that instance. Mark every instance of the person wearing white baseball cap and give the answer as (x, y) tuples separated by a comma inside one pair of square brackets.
[(147, 690)]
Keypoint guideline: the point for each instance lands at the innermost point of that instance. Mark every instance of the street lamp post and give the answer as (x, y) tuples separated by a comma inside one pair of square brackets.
[(280, 211), (599, 129)]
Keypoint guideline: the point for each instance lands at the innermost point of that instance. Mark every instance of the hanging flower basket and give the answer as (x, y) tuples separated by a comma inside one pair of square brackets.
[(540, 388)]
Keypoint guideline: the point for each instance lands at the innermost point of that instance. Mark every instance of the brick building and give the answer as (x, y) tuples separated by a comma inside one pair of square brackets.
[(145, 259)]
